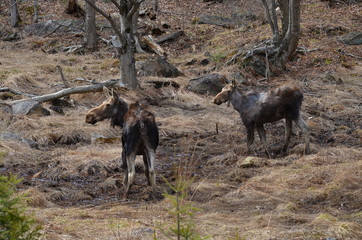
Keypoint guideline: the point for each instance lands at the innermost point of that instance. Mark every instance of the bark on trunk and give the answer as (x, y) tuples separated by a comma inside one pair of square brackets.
[(90, 27), (129, 11), (291, 39), (35, 11), (128, 65), (14, 14)]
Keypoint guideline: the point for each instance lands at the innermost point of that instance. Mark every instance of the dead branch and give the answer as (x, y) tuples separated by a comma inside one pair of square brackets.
[(148, 40), (304, 50), (7, 89), (170, 37), (23, 106), (349, 54)]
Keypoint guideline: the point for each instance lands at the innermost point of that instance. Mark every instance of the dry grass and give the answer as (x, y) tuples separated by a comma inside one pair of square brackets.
[(74, 180)]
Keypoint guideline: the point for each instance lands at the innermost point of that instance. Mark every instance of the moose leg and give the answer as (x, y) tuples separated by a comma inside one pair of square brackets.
[(262, 135), (288, 133), (147, 170), (124, 167), (124, 161), (250, 136), (304, 128), (131, 171), (151, 161), (150, 172)]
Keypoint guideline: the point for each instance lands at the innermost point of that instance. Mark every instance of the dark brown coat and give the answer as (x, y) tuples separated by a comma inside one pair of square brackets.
[(257, 108), (139, 135)]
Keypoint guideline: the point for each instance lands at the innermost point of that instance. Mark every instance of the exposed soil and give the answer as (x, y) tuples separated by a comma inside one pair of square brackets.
[(71, 170)]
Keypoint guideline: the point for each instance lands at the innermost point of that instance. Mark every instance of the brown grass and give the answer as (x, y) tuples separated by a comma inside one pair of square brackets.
[(74, 180)]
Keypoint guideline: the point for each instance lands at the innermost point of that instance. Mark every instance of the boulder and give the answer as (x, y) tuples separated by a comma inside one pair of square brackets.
[(353, 38), (28, 108), (9, 136), (208, 84), (159, 67), (51, 26)]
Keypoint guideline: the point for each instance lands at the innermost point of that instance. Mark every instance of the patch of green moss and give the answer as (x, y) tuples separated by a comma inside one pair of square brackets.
[(5, 73), (325, 217), (109, 63)]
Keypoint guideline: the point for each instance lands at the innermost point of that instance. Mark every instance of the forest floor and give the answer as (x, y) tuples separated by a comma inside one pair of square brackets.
[(71, 170)]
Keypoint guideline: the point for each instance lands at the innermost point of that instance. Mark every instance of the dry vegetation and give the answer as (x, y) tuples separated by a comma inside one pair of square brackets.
[(73, 175)]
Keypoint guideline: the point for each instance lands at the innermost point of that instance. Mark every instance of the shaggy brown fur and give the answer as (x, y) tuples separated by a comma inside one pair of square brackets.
[(258, 108), (139, 136)]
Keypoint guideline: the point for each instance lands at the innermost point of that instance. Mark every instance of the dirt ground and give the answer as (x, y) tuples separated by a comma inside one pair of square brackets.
[(71, 169)]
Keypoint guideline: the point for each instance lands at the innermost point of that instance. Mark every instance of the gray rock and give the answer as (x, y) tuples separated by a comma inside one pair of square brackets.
[(353, 38), (15, 137), (208, 84), (29, 107), (51, 26), (159, 67)]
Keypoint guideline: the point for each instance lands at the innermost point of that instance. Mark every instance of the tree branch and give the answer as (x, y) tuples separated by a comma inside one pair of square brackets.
[(6, 89), (267, 11), (135, 7), (23, 106), (270, 50), (116, 4)]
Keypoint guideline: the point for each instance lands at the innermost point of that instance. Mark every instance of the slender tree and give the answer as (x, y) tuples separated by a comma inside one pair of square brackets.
[(14, 14), (125, 33), (90, 27), (36, 17)]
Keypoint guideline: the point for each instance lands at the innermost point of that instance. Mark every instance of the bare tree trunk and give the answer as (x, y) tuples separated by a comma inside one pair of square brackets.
[(35, 11), (155, 6), (291, 38), (135, 34), (284, 9), (14, 14), (90, 27), (125, 32), (127, 56)]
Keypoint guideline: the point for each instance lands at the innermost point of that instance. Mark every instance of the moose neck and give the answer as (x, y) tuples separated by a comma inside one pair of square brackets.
[(237, 100), (119, 112)]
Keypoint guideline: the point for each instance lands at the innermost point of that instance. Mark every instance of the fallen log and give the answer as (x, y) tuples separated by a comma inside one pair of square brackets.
[(148, 40), (170, 37), (24, 106)]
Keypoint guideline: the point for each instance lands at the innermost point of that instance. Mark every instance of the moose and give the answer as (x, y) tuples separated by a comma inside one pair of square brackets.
[(140, 135), (257, 108)]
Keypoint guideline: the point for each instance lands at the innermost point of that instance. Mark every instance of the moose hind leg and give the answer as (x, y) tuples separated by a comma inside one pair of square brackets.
[(304, 128), (147, 168), (262, 135), (250, 137), (152, 176), (131, 171), (288, 133)]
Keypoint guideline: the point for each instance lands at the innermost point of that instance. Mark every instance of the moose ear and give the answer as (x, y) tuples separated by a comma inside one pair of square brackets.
[(114, 95), (233, 83), (107, 92)]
